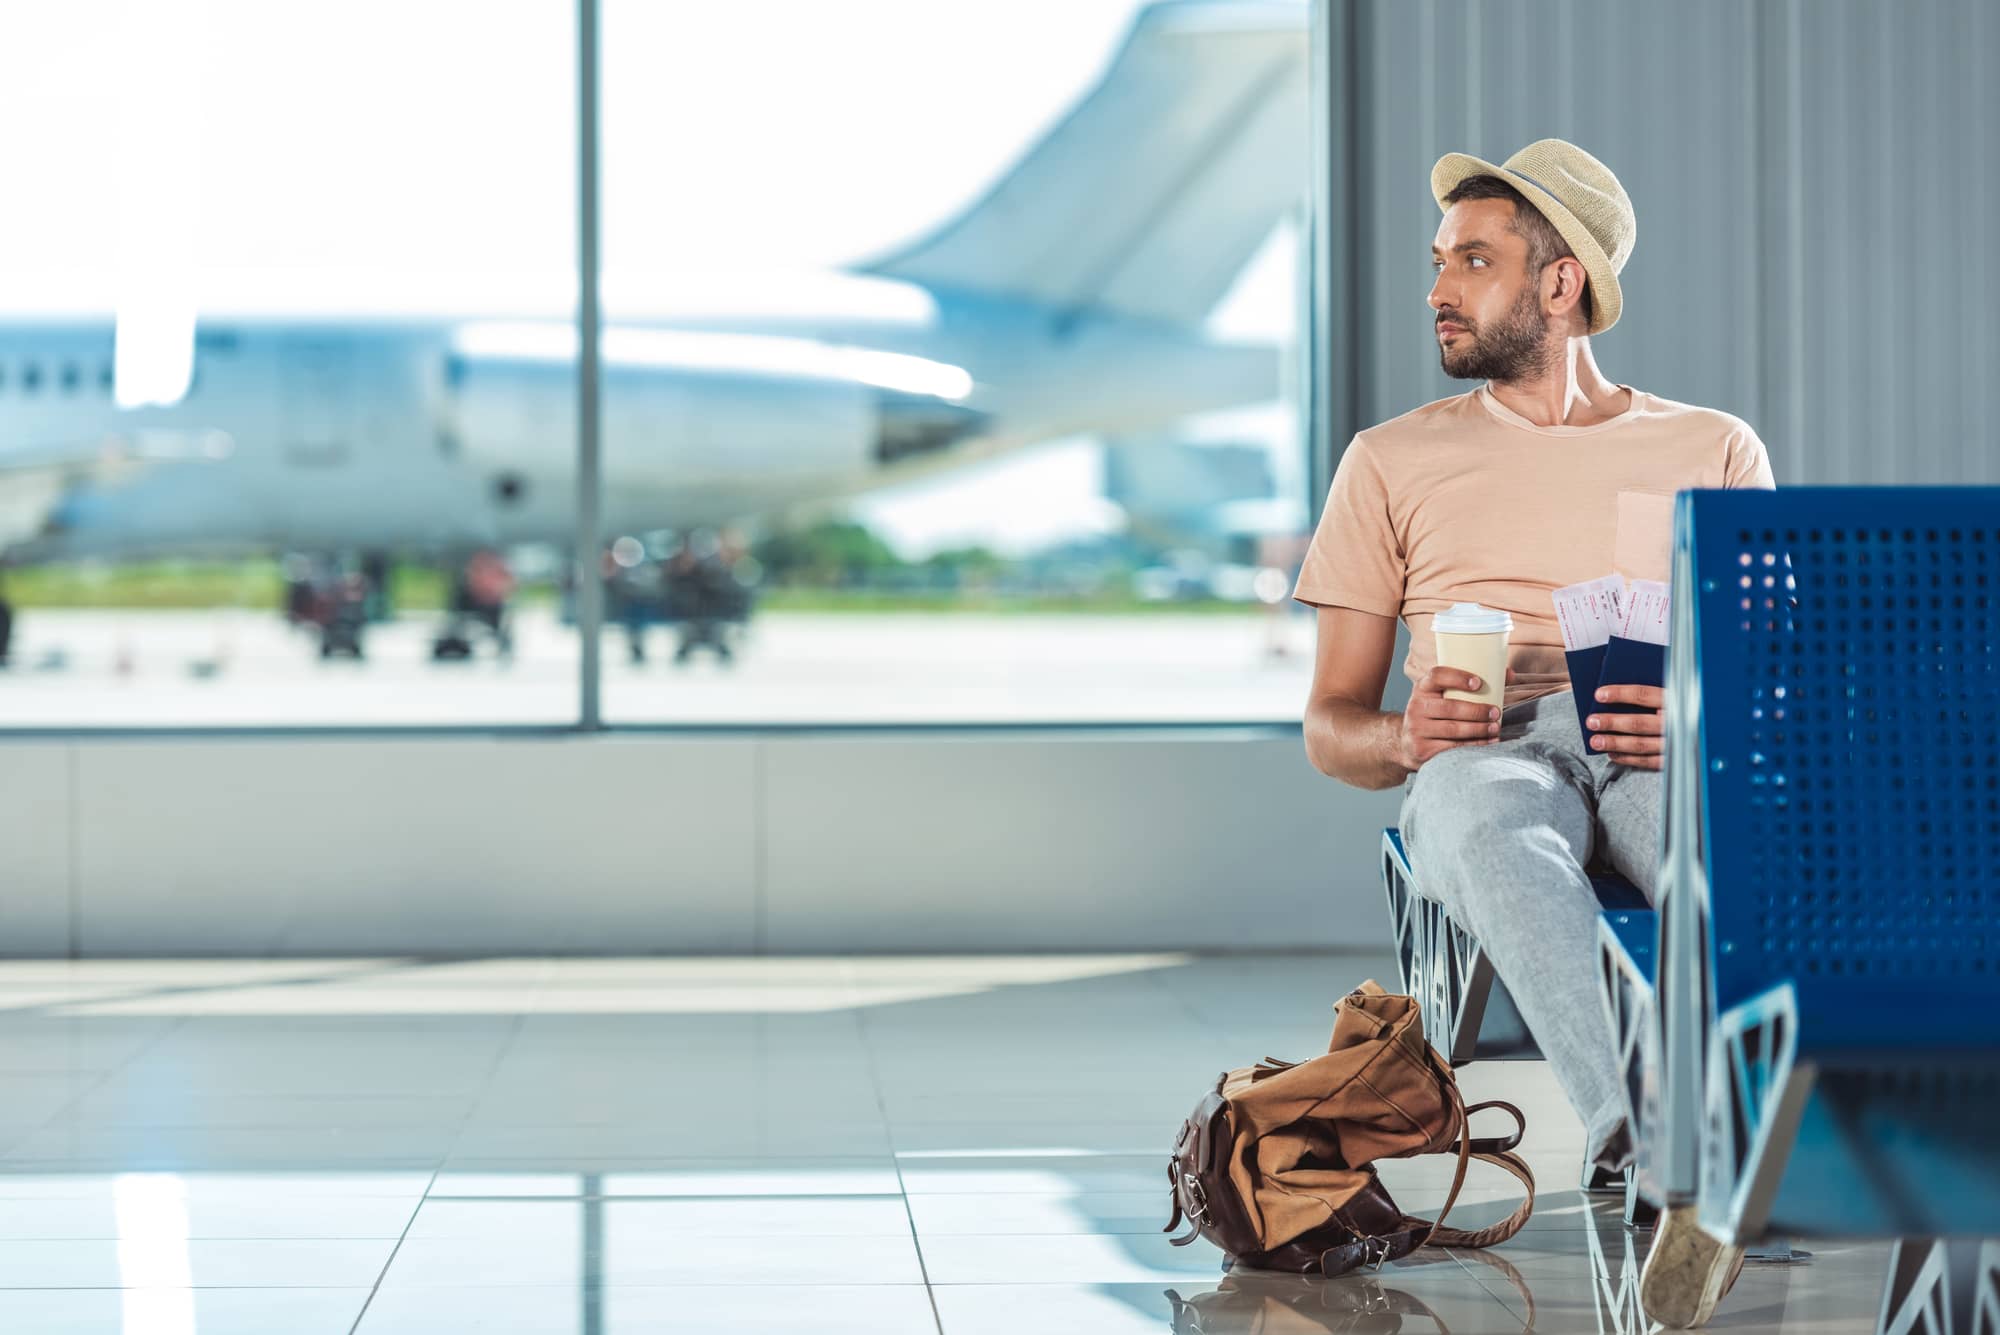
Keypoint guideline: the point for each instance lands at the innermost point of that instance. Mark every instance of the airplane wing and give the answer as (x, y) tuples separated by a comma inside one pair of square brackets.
[(34, 480)]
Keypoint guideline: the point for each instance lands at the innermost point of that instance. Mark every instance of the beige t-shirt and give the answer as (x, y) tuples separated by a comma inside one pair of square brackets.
[(1464, 500)]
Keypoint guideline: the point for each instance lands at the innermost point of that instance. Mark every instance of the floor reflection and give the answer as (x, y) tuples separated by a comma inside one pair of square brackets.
[(1364, 1302), (1352, 1305), (899, 1146)]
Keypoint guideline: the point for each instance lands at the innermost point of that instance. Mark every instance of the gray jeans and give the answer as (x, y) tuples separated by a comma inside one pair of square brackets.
[(1500, 835)]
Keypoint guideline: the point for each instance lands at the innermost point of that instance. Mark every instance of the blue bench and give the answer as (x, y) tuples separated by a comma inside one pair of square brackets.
[(1819, 1050)]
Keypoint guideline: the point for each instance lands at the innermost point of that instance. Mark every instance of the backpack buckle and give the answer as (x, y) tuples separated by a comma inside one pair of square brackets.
[(1371, 1256), (1189, 1202), (1197, 1198)]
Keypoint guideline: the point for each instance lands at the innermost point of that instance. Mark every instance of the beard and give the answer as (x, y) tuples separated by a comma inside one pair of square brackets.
[(1514, 347)]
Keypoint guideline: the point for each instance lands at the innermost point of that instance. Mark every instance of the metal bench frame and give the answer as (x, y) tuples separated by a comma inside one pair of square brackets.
[(1442, 965)]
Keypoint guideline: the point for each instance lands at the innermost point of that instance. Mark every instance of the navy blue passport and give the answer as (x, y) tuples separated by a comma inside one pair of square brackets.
[(1585, 667), (1627, 663)]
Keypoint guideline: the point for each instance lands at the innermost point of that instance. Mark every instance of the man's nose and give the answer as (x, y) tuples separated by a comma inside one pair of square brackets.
[(1441, 296)]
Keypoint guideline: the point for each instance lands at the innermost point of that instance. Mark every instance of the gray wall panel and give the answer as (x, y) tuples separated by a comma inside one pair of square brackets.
[(1814, 184), (637, 844), (1463, 76), (998, 843), (35, 845), (431, 845)]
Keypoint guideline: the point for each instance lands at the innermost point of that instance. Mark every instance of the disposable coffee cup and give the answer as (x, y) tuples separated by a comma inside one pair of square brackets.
[(1474, 639)]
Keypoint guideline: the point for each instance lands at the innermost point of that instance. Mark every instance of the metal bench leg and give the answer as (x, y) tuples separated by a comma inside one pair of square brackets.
[(1405, 922), (1421, 931), (1756, 1094), (1775, 1251), (1602, 1181), (1614, 1268), (1623, 1183), (1939, 1286), (1628, 1008), (1986, 1289), (1442, 966), (1916, 1299), (1463, 980), (1639, 1212)]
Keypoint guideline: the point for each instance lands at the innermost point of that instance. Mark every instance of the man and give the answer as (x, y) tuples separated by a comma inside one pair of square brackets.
[(1545, 475)]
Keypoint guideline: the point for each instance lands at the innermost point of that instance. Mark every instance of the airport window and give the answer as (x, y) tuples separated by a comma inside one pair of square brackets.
[(850, 437), (897, 494), (385, 585)]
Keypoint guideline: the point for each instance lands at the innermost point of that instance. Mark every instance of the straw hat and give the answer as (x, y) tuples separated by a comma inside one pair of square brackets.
[(1575, 192)]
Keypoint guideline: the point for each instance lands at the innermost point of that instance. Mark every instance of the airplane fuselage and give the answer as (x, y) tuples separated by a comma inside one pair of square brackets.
[(415, 434)]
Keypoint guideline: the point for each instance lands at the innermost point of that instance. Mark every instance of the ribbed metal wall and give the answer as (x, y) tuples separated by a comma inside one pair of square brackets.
[(1817, 198)]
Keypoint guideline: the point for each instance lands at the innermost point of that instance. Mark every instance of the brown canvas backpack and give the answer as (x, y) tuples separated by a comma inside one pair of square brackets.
[(1276, 1164)]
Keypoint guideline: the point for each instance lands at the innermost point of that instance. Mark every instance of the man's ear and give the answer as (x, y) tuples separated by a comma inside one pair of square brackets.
[(1562, 285)]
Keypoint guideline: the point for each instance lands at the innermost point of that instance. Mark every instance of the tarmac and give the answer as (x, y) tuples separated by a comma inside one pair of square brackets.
[(196, 669)]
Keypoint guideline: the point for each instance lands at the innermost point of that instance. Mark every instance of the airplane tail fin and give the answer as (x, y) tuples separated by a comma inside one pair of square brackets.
[(1155, 190)]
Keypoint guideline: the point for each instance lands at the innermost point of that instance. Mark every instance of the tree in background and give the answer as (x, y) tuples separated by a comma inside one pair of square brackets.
[(831, 554), (844, 554)]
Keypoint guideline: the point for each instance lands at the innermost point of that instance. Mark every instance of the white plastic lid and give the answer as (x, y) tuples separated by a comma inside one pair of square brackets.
[(1471, 619)]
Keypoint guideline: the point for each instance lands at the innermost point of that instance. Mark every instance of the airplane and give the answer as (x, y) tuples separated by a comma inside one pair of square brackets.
[(1069, 299)]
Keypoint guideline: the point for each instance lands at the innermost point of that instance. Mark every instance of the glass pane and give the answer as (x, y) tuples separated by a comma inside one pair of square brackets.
[(262, 459), (950, 361)]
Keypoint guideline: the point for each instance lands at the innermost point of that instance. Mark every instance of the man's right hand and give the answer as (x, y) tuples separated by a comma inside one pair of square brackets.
[(1433, 724)]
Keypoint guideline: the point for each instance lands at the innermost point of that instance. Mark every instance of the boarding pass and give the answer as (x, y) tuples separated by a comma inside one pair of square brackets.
[(1590, 613)]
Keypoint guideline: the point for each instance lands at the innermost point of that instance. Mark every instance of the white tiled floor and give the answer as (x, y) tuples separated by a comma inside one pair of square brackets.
[(611, 1147)]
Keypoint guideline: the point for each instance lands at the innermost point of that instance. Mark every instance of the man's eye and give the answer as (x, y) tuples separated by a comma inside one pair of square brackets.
[(1477, 262)]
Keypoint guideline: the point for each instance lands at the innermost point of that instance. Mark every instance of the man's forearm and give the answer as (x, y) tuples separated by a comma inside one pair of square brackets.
[(1354, 743)]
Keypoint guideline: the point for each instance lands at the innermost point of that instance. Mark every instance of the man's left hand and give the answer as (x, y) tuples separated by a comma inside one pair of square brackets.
[(1633, 740)]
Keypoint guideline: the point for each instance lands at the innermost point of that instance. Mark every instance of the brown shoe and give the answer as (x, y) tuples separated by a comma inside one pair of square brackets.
[(1687, 1271)]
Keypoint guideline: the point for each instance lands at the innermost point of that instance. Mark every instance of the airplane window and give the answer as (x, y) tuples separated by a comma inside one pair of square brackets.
[(72, 377), (31, 378), (107, 377)]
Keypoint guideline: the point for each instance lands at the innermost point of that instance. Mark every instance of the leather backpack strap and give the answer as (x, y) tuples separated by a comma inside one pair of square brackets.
[(1506, 1228), (1497, 1151), (1464, 1157), (1498, 1144)]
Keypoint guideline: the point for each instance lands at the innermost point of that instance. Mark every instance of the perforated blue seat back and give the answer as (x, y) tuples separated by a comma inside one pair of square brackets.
[(1850, 695)]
